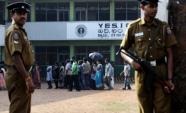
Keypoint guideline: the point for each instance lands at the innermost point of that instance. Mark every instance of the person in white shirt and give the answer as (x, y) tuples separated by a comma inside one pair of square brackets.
[(109, 74), (49, 77), (127, 80)]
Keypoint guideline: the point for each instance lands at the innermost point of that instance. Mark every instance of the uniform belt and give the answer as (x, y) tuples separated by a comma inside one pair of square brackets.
[(157, 62)]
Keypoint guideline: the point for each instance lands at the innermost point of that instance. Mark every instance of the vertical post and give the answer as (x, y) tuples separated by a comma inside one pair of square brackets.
[(6, 11), (112, 51), (71, 14), (112, 10), (32, 14)]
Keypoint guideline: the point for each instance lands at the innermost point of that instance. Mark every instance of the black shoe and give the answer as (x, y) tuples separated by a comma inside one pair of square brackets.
[(124, 88), (49, 88)]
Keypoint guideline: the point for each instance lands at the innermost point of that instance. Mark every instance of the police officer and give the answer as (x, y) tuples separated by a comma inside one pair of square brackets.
[(152, 41), (19, 58)]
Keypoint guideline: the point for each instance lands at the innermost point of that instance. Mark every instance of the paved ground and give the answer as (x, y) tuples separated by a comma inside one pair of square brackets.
[(86, 101)]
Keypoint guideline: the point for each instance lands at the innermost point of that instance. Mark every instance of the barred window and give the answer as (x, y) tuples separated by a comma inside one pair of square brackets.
[(2, 12), (92, 11), (127, 10), (52, 11), (48, 54)]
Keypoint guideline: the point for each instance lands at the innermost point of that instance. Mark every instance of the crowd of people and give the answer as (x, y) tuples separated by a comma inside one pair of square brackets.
[(81, 75)]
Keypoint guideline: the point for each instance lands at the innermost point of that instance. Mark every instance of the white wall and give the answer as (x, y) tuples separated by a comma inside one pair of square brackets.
[(162, 10), (46, 30)]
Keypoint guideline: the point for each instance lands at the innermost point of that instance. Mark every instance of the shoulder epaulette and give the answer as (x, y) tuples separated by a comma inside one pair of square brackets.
[(135, 22)]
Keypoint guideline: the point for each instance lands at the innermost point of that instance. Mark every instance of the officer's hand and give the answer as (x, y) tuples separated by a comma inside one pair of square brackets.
[(30, 85), (171, 85), (136, 66), (168, 87)]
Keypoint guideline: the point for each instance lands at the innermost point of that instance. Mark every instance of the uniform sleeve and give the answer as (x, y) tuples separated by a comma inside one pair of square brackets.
[(15, 42), (127, 39), (170, 38)]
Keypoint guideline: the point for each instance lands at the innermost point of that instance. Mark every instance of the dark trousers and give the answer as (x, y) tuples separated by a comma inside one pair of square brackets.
[(107, 81), (74, 82), (81, 81), (49, 84), (87, 81), (67, 81), (56, 83), (61, 81), (127, 82), (92, 84)]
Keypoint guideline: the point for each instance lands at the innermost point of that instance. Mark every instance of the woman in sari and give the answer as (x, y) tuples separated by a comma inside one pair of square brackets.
[(99, 75), (36, 76)]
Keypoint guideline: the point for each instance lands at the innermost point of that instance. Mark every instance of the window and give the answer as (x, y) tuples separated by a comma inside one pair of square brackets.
[(92, 11), (52, 11), (63, 53), (104, 11), (63, 11), (120, 10), (47, 54), (81, 11), (41, 12), (2, 12), (127, 10), (132, 10)]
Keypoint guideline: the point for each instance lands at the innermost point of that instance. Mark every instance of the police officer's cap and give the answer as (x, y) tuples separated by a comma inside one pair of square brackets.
[(149, 1), (19, 6)]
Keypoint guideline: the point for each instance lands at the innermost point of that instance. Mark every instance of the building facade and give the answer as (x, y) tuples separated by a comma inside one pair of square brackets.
[(60, 29)]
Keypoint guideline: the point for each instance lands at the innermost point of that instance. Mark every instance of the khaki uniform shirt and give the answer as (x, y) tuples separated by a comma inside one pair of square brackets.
[(149, 41), (16, 41)]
